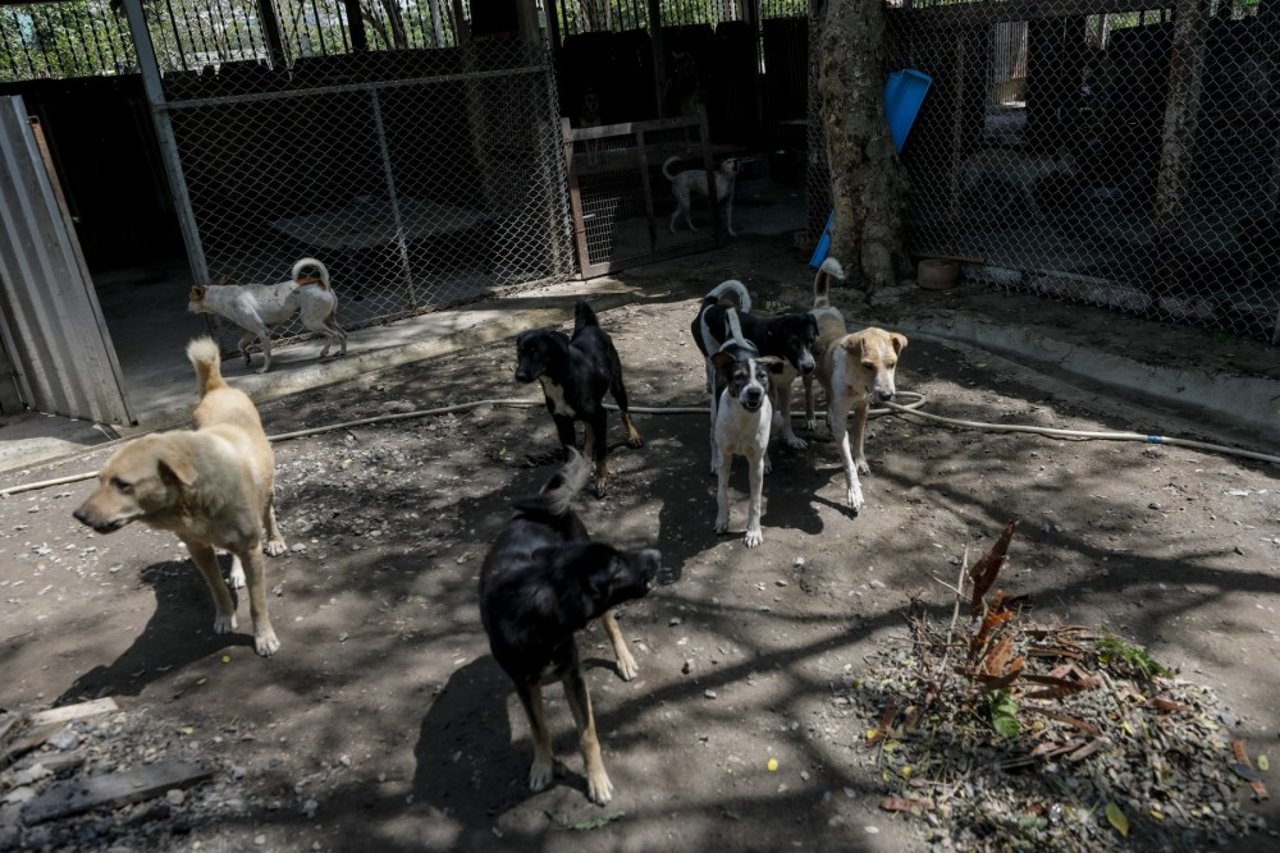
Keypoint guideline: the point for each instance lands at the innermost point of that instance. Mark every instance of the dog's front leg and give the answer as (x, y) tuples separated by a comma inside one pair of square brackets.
[(565, 432), (542, 770), (783, 412), (598, 438), (836, 417), (755, 479), (599, 788), (224, 620), (243, 344), (810, 414), (626, 663), (859, 434), (264, 636), (728, 215), (722, 492), (715, 451)]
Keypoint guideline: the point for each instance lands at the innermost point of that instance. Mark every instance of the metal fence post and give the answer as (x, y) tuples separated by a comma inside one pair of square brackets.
[(396, 218), (164, 136)]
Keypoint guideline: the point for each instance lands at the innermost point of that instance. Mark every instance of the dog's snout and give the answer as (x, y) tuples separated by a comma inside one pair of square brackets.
[(884, 395), (81, 516)]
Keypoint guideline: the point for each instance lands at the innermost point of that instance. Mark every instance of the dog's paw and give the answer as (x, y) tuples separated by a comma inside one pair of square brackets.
[(733, 233), (237, 573), (722, 523), (540, 774), (599, 788), (627, 666), (265, 642), (602, 487), (754, 537), (224, 623), (635, 441), (275, 547), (862, 466), (854, 498), (811, 424), (794, 442)]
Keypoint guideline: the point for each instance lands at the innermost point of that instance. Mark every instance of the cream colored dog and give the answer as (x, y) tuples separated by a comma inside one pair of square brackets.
[(855, 370), (212, 486)]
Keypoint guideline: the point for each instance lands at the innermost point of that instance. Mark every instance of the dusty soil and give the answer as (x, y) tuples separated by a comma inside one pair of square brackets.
[(383, 723)]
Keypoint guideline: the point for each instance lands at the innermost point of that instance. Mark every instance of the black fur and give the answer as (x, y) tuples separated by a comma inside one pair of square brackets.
[(584, 368), (541, 582), (788, 336)]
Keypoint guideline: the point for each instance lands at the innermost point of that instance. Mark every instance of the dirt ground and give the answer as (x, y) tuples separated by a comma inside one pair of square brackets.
[(383, 723)]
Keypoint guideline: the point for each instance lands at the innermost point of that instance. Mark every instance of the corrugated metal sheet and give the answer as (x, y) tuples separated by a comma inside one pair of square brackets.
[(50, 321)]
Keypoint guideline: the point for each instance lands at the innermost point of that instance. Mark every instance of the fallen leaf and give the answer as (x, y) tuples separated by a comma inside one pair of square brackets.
[(1168, 706), (905, 804), (1117, 819), (984, 572), (1263, 763)]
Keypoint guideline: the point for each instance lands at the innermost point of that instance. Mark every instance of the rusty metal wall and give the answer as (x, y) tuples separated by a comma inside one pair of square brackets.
[(50, 322)]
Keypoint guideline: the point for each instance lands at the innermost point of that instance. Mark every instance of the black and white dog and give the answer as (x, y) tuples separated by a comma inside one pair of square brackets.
[(575, 374), (541, 582), (742, 422), (789, 337)]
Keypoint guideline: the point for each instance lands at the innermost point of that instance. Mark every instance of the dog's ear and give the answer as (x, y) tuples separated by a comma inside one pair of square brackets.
[(197, 293), (219, 279), (813, 326), (899, 341), (723, 361), (176, 469), (853, 344)]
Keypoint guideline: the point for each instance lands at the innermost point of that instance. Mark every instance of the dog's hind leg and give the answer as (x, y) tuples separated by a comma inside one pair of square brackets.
[(626, 663), (206, 561), (619, 392), (542, 770), (728, 215), (599, 788), (275, 540)]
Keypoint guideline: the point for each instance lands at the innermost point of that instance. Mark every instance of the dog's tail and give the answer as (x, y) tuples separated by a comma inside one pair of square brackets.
[(320, 268), (737, 288), (666, 168), (557, 495), (203, 353), (822, 282), (583, 316)]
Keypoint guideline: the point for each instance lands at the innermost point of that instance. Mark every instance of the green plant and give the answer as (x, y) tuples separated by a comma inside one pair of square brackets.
[(1129, 660), (1002, 712)]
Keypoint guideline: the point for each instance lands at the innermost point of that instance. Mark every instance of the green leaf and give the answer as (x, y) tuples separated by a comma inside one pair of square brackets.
[(1005, 724), (1117, 819), (1263, 763)]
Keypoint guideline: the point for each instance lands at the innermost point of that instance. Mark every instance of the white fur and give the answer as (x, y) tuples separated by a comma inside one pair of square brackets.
[(691, 182), (739, 432), (257, 307), (555, 394)]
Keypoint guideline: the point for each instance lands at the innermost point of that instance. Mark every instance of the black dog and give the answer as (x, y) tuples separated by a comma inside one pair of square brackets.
[(575, 374), (543, 580), (790, 337)]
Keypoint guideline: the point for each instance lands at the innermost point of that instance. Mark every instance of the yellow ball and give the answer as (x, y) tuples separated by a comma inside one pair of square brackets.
[(772, 765)]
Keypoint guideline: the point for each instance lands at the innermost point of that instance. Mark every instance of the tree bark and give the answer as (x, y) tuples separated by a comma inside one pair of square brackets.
[(867, 183)]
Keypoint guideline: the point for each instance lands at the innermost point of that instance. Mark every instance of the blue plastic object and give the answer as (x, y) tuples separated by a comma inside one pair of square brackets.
[(904, 92)]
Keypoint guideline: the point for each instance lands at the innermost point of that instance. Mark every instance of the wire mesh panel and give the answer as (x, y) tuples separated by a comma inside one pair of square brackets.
[(624, 205), (421, 178), (1126, 158)]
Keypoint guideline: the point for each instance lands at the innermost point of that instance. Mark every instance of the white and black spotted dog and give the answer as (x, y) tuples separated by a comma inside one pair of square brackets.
[(743, 419), (693, 182)]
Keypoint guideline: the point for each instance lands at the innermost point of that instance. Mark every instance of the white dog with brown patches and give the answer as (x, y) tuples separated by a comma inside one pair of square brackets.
[(258, 307), (855, 370)]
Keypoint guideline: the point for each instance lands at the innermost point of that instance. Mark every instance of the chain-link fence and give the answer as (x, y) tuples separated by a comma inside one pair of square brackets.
[(422, 178), (1128, 159)]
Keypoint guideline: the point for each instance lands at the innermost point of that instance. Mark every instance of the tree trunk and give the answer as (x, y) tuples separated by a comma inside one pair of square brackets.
[(867, 184)]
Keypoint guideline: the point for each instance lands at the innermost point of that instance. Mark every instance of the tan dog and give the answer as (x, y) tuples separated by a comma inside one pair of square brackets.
[(855, 370), (212, 486)]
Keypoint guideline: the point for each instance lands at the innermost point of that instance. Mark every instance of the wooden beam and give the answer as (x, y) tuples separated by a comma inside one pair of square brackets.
[(67, 713), (76, 796), (958, 14)]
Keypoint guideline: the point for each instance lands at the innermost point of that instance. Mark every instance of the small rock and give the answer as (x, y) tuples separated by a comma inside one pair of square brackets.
[(876, 583), (804, 775), (710, 694), (344, 760), (19, 795), (237, 772), (1228, 719), (780, 582), (342, 638), (871, 830), (259, 840), (67, 738), (310, 807), (675, 620), (687, 668), (298, 547), (176, 796), (798, 562)]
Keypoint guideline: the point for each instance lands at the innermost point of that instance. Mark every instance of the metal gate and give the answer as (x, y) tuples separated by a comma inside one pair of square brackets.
[(612, 175), (423, 178), (50, 322)]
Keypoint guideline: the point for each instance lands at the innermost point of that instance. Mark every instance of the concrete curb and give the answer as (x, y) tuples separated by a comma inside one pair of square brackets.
[(1240, 405)]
